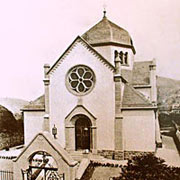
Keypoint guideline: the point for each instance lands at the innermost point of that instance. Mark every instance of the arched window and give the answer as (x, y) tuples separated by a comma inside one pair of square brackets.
[(121, 55), (126, 58)]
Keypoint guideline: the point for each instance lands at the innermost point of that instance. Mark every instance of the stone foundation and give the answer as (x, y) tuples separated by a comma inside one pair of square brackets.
[(121, 155), (131, 154), (111, 154)]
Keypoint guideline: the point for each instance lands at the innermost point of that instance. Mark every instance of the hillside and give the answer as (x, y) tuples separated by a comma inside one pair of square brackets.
[(168, 91), (13, 105), (11, 130), (7, 120), (168, 95)]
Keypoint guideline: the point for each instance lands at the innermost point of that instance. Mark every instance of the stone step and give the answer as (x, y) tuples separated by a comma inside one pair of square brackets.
[(77, 155)]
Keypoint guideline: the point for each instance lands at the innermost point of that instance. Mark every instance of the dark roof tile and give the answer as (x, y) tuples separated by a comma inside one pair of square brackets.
[(107, 31), (133, 98), (141, 73)]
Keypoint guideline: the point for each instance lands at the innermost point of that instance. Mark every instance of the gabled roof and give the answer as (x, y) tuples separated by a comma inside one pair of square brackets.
[(45, 136), (141, 73), (89, 47), (134, 99)]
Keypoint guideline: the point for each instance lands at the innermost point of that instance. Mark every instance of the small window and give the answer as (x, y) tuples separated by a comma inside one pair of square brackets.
[(126, 58), (121, 56)]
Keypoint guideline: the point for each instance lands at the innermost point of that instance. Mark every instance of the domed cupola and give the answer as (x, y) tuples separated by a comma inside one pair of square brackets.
[(106, 37)]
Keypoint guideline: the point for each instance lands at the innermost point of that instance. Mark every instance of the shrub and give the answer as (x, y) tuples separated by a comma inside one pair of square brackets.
[(148, 167)]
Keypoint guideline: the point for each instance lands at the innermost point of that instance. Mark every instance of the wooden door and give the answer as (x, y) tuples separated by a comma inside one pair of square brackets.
[(82, 130)]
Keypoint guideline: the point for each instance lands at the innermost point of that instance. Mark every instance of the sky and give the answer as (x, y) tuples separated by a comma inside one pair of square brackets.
[(35, 32)]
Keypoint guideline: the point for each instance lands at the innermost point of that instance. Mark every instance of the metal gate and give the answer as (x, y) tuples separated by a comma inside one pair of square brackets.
[(46, 173), (6, 175)]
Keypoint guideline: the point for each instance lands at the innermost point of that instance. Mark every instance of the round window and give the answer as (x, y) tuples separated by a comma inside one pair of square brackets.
[(80, 79)]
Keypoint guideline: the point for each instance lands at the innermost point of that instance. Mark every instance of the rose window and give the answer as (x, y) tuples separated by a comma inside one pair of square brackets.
[(80, 79)]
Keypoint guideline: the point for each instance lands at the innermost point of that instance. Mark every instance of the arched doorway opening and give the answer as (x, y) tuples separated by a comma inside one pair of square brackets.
[(83, 133), (42, 166)]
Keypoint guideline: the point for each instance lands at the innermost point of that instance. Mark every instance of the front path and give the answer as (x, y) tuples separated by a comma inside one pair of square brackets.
[(169, 151)]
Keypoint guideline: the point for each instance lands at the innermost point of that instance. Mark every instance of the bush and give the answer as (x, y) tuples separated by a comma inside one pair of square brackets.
[(165, 120), (148, 167)]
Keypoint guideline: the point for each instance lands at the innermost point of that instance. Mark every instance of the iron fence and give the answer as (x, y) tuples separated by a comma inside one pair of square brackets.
[(6, 175)]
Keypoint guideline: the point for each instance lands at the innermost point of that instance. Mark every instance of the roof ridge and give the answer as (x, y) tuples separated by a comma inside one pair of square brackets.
[(93, 26), (99, 22), (117, 25), (111, 32)]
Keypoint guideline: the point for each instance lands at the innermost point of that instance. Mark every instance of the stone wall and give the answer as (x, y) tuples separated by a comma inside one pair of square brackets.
[(130, 154), (121, 155), (111, 154)]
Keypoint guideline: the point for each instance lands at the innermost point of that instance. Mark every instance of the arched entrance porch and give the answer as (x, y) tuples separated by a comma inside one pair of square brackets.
[(44, 158), (42, 166), (80, 130)]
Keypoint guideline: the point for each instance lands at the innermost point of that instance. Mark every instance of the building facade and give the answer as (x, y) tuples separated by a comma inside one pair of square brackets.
[(97, 98)]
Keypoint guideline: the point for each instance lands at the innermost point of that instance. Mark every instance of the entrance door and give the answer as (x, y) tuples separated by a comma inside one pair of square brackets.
[(82, 130)]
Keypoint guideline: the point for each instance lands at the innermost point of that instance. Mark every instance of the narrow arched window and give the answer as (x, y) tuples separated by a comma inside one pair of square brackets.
[(115, 54), (121, 57), (126, 58)]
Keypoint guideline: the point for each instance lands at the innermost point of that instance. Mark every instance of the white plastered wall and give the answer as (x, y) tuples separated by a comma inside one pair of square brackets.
[(100, 101), (139, 130), (33, 123), (108, 53)]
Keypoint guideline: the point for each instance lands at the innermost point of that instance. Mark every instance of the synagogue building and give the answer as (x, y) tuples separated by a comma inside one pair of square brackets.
[(97, 100)]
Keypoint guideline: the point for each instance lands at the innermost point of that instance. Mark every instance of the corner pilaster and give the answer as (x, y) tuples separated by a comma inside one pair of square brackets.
[(152, 69), (118, 104), (46, 125)]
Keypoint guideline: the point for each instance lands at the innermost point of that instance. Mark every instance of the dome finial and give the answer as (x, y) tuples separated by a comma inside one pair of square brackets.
[(104, 6), (104, 14)]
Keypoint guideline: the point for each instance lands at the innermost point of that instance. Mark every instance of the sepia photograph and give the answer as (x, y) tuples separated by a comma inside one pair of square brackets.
[(90, 90)]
